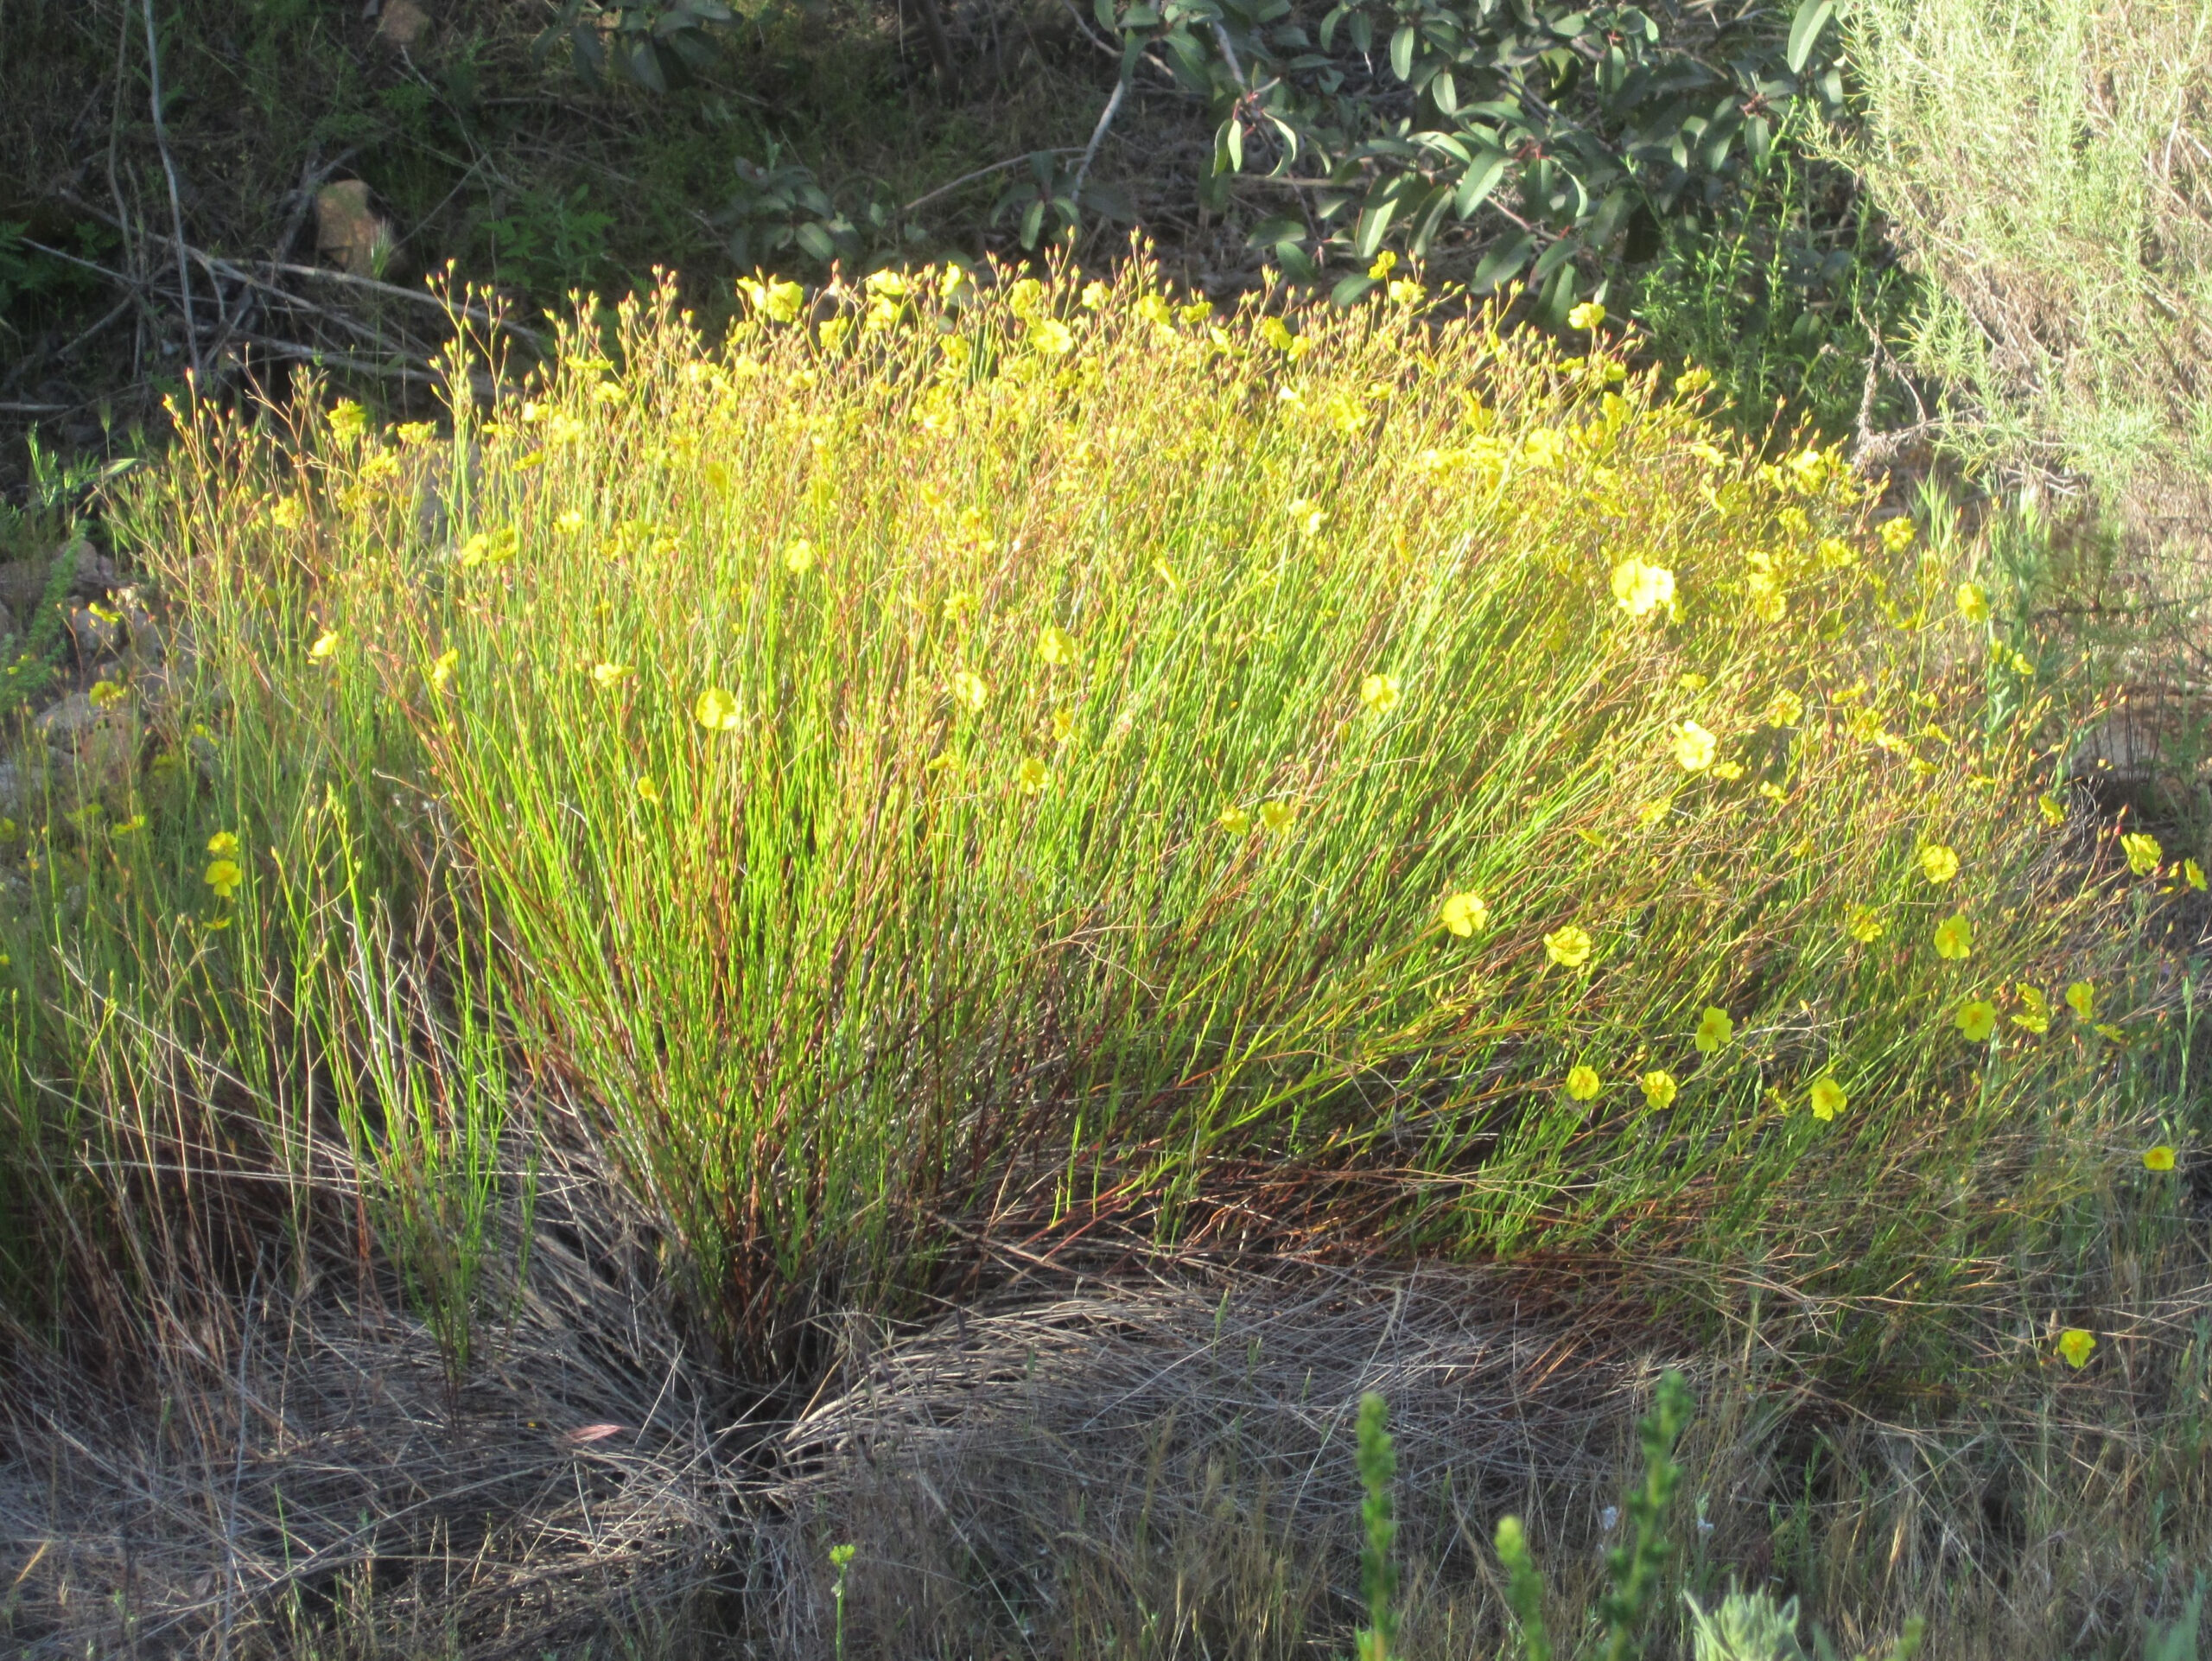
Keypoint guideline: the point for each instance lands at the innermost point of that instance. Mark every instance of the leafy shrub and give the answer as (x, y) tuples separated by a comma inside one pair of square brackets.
[(2043, 163)]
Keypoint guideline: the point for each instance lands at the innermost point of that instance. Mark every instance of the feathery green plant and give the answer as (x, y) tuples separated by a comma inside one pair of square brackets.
[(1378, 1569)]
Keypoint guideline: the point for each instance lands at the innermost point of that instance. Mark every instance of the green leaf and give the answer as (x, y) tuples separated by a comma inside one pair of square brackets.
[(1350, 290), (1032, 222), (1402, 52), (1291, 255), (1232, 145), (1503, 263), (1805, 29), (816, 240), (1478, 181), (1445, 92), (1374, 223)]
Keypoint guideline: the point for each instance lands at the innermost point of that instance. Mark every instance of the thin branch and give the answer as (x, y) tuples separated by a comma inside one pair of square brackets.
[(970, 178), (168, 166), (1097, 137)]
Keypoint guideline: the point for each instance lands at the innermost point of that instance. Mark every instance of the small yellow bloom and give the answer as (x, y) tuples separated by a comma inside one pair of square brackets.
[(1938, 863), (2052, 809), (1588, 315), (1977, 1019), (608, 676), (1464, 913), (1694, 747), (1955, 937), (1233, 819), (1583, 1082), (325, 646), (2074, 1344), (1786, 710), (1864, 924), (1897, 535), (1380, 693), (1277, 816), (716, 710), (1827, 1098), (223, 876), (1973, 603), (969, 690), (1728, 772), (1385, 262), (1055, 645), (223, 844), (648, 792), (1062, 724), (2105, 1029), (2160, 1158), (2082, 999), (799, 558), (1714, 1030), (1568, 947), (2143, 852), (1659, 1089), (1650, 813), (1032, 775), (1640, 590), (1094, 297), (2193, 873)]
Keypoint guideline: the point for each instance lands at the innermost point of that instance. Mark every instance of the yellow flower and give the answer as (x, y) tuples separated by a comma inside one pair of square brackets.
[(1714, 1030), (1954, 937), (1233, 819), (1583, 1082), (1055, 645), (2105, 1029), (1062, 724), (1864, 924), (969, 690), (1827, 1098), (2160, 1158), (1659, 1089), (223, 876), (325, 646), (1787, 709), (648, 792), (223, 845), (1463, 913), (1277, 816), (1568, 947), (1693, 747), (607, 675), (1640, 588), (1032, 775), (1650, 813), (1977, 1019), (2193, 873), (716, 710), (1728, 771), (1938, 863), (2082, 999), (1897, 535), (2074, 1344), (1973, 603), (348, 420), (1407, 292), (1094, 297), (2143, 852), (2052, 809), (1385, 262), (1380, 693), (1051, 336), (799, 557), (1588, 315)]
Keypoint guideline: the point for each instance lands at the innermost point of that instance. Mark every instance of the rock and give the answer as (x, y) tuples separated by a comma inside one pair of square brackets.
[(96, 574), (348, 230), (2153, 752), (402, 25), (95, 631)]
